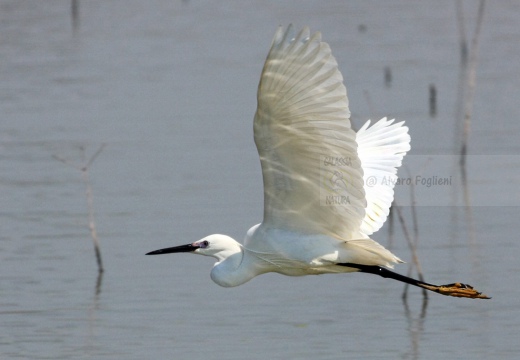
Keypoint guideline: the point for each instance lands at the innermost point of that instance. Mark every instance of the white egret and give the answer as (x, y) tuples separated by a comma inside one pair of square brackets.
[(326, 187)]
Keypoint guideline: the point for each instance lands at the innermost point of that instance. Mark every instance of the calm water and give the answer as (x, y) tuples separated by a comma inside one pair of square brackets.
[(170, 87)]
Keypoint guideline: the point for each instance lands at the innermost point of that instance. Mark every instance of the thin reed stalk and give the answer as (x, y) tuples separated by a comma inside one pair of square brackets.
[(90, 203), (412, 246), (471, 85)]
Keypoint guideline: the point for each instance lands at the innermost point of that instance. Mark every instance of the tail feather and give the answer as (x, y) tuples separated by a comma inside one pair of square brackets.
[(369, 252)]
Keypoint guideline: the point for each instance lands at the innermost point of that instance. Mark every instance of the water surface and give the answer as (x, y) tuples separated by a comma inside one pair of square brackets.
[(170, 87)]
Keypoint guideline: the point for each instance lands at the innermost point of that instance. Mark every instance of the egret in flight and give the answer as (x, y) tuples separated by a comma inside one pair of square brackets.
[(327, 189)]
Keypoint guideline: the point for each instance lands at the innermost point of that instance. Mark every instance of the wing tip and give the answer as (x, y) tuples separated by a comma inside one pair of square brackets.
[(285, 35)]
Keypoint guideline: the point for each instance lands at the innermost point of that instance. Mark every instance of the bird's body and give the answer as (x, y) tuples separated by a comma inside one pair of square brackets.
[(327, 189), (268, 249)]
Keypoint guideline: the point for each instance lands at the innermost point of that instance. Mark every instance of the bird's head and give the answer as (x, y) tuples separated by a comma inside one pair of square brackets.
[(217, 246)]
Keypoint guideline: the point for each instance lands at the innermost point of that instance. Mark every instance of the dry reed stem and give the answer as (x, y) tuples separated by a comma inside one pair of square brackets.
[(91, 221)]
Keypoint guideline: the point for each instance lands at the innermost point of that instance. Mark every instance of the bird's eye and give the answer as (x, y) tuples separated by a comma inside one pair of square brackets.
[(204, 244)]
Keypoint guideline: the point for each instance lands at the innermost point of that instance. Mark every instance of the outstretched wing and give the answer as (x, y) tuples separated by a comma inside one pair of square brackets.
[(381, 148), (313, 181)]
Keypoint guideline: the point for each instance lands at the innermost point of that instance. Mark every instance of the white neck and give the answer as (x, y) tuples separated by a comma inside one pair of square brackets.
[(233, 269)]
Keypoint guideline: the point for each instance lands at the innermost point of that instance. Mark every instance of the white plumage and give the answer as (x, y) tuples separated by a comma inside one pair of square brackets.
[(326, 188)]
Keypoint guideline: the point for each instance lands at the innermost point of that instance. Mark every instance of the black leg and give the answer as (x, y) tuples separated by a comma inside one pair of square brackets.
[(381, 271), (455, 289)]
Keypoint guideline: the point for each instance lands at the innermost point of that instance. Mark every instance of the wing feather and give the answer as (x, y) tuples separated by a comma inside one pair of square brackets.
[(313, 180), (381, 148)]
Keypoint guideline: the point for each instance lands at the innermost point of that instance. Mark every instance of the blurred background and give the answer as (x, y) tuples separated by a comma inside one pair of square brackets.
[(170, 88)]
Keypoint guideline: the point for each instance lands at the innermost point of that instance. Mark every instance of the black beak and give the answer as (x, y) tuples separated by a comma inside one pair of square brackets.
[(175, 249)]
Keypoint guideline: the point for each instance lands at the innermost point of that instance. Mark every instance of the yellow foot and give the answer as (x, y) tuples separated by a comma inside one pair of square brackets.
[(457, 290)]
